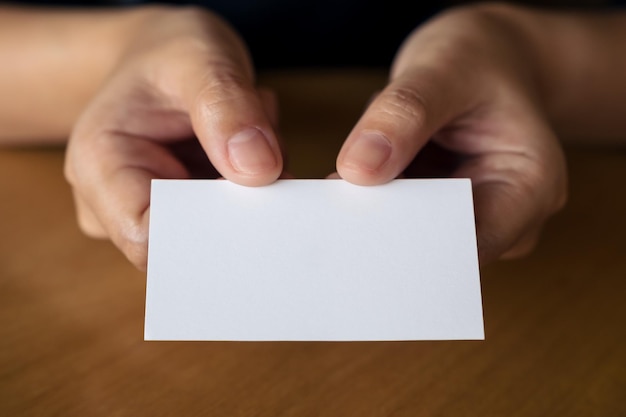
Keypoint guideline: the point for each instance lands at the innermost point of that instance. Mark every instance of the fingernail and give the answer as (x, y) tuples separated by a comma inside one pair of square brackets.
[(369, 152), (250, 152)]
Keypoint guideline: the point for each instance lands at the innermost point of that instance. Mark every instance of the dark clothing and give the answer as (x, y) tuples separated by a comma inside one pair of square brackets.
[(310, 33), (292, 33)]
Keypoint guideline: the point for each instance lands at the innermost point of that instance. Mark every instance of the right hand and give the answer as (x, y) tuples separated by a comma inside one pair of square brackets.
[(186, 75)]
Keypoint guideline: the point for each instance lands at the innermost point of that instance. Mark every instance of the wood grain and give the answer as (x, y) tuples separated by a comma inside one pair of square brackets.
[(71, 308)]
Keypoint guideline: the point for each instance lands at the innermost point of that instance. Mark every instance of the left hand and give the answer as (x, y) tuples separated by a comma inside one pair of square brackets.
[(464, 83)]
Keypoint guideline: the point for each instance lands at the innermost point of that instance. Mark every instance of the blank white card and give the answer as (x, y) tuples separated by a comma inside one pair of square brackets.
[(315, 260)]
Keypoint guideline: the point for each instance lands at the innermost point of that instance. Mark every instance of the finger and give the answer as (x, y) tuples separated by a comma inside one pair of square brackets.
[(216, 85), (511, 204), (397, 124), (119, 189), (502, 214)]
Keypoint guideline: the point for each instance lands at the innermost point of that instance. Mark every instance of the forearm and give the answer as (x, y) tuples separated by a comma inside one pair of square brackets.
[(579, 61), (52, 62)]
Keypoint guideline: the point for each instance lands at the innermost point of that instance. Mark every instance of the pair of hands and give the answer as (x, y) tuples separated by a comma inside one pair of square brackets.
[(460, 81)]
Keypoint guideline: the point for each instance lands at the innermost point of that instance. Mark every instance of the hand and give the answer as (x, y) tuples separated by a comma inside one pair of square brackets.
[(186, 75), (463, 84)]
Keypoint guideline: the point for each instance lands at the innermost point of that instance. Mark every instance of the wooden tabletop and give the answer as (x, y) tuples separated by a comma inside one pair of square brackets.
[(72, 309)]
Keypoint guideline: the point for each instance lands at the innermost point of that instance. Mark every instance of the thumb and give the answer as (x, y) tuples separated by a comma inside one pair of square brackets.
[(215, 83), (398, 123)]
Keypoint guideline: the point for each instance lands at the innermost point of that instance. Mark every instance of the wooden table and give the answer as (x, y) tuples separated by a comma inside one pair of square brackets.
[(71, 309)]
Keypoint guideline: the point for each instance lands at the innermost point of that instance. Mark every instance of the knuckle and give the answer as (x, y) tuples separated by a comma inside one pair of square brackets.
[(222, 84), (90, 228), (87, 221), (406, 103), (226, 76)]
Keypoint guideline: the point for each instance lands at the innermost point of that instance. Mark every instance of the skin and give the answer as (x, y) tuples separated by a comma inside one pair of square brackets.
[(489, 87)]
